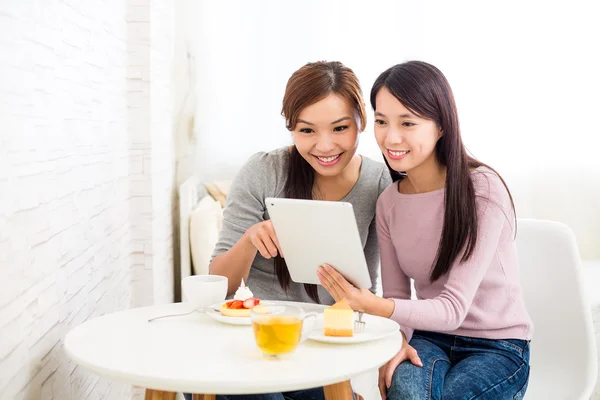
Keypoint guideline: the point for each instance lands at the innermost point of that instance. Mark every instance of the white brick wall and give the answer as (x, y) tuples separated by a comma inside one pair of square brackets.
[(184, 85), (184, 105), (162, 14), (85, 197), (140, 145), (152, 162)]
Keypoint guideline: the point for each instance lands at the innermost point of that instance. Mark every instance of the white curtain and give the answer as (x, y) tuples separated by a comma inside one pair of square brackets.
[(525, 77)]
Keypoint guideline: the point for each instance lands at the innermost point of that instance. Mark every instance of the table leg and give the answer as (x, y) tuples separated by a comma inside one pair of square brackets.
[(152, 394), (338, 391)]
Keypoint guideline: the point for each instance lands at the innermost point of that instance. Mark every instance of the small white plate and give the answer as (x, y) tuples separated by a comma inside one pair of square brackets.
[(228, 320), (216, 315), (375, 328)]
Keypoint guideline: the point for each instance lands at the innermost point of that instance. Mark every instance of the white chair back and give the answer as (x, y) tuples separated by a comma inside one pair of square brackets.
[(563, 349)]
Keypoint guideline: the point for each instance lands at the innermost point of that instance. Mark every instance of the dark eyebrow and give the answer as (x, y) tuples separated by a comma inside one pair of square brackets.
[(340, 120), (406, 115), (333, 123)]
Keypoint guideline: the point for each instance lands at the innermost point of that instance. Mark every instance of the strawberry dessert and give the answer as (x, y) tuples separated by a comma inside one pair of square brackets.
[(241, 304)]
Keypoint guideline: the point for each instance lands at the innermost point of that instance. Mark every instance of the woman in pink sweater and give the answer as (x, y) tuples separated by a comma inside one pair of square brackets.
[(448, 223)]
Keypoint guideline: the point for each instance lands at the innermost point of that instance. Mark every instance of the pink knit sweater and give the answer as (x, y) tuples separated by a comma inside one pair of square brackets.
[(479, 298)]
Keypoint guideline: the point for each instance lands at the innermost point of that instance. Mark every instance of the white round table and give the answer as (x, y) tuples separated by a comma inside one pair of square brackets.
[(197, 354)]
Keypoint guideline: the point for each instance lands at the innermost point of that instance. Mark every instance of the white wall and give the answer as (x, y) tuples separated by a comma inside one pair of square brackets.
[(140, 148), (150, 86), (526, 79), (524, 74), (162, 14), (65, 239), (79, 170), (246, 51), (184, 86)]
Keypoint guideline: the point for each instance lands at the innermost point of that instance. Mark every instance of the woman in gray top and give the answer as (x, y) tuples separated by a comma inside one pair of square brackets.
[(324, 110)]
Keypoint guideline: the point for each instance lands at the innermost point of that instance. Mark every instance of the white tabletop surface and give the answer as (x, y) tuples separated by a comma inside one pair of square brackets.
[(197, 354)]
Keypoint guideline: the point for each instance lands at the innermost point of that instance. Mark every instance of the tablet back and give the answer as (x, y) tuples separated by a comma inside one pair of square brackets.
[(314, 232)]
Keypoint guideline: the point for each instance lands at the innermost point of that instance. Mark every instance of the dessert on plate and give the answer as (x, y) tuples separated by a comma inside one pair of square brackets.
[(242, 302), (339, 320)]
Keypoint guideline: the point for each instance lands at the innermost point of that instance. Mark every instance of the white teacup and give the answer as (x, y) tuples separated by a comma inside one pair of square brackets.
[(204, 290)]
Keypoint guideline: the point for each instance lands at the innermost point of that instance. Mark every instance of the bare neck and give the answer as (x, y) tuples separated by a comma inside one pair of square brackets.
[(337, 187), (427, 177)]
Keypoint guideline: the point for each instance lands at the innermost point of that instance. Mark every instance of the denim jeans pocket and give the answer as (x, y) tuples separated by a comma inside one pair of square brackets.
[(517, 345)]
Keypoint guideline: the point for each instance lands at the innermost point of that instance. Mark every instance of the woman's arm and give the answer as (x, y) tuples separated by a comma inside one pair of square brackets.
[(235, 263), (372, 256), (395, 282), (234, 252), (447, 311)]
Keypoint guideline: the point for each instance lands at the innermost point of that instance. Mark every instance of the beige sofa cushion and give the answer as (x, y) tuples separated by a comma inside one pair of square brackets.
[(205, 224), (218, 190)]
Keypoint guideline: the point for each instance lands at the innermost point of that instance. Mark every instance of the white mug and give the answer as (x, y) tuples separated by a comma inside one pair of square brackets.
[(204, 290)]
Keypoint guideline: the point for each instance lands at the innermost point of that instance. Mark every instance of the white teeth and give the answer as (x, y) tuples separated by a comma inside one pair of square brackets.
[(398, 153), (328, 159)]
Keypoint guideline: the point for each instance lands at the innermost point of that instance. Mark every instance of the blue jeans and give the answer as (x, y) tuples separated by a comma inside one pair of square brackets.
[(308, 394), (462, 368)]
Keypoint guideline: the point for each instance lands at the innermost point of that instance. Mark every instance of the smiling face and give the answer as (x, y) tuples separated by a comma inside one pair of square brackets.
[(326, 135), (406, 140)]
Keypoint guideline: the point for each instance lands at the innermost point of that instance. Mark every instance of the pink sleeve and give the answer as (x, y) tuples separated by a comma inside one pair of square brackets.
[(447, 311), (394, 281)]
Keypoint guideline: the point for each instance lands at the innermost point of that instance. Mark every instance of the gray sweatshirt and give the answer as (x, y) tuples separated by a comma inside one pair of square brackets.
[(263, 176)]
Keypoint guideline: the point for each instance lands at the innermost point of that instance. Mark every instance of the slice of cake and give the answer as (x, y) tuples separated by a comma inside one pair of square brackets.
[(339, 320)]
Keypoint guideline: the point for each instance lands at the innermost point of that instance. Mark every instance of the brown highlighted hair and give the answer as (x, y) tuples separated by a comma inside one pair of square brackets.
[(308, 85)]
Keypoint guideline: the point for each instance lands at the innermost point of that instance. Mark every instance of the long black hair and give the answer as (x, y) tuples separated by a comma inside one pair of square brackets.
[(423, 89), (308, 85)]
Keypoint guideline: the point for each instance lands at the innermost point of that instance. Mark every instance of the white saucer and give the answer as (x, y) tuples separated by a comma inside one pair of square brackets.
[(216, 315), (375, 328)]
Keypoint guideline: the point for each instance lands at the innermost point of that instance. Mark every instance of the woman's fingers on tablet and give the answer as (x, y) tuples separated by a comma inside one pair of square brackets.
[(329, 284), (330, 274), (262, 249), (276, 241), (337, 277), (270, 246), (322, 278), (261, 239), (274, 238)]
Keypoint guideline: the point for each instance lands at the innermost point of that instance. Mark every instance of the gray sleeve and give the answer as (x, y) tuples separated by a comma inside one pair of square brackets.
[(385, 180), (372, 255), (245, 205), (372, 246)]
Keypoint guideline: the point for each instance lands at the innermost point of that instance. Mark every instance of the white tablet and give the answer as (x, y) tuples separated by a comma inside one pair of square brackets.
[(314, 232)]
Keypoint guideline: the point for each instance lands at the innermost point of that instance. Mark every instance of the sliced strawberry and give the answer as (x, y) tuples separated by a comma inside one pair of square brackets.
[(236, 304), (229, 303), (251, 302)]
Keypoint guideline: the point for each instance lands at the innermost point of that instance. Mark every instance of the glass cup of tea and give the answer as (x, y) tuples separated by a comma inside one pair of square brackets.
[(279, 329)]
